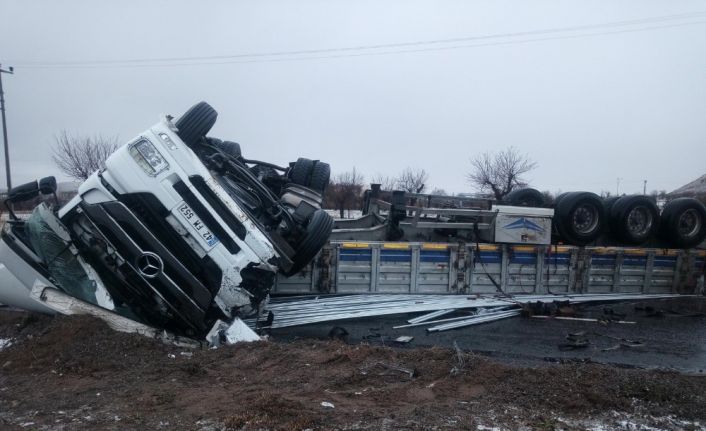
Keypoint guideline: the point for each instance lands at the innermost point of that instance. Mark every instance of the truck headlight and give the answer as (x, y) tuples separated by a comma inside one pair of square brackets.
[(147, 156)]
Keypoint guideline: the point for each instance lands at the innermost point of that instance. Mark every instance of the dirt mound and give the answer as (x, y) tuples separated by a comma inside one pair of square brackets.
[(77, 344), (77, 371)]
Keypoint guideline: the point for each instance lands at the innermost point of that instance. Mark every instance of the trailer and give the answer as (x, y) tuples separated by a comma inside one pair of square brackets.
[(428, 244)]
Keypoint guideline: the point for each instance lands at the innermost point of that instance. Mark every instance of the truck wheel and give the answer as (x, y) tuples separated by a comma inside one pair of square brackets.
[(317, 233), (558, 198), (579, 217), (683, 222), (527, 197), (320, 175), (301, 171), (634, 218), (196, 123), (607, 206)]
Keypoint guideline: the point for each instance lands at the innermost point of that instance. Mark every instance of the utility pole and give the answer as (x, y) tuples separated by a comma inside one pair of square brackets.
[(617, 186), (10, 71), (644, 187)]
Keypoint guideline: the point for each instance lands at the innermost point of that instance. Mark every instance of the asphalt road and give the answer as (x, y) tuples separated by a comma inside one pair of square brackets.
[(675, 341)]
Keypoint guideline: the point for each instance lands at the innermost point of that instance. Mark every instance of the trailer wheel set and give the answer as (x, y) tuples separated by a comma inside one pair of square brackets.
[(582, 217)]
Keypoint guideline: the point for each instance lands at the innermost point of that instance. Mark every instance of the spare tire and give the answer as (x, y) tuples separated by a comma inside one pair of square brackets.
[(320, 175), (300, 173), (579, 217), (317, 234), (196, 123), (634, 219), (527, 197), (683, 223)]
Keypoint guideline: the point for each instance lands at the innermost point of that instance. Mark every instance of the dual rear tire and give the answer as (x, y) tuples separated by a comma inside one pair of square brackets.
[(312, 174), (582, 217), (683, 223)]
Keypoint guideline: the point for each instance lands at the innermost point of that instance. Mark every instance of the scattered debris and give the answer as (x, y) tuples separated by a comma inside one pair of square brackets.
[(338, 333), (430, 316), (411, 372), (5, 342), (404, 339), (460, 362), (306, 310), (476, 320), (327, 404), (584, 319), (575, 340)]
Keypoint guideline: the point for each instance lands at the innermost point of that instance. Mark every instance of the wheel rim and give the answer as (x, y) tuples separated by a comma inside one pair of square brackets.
[(639, 221), (689, 223), (585, 219)]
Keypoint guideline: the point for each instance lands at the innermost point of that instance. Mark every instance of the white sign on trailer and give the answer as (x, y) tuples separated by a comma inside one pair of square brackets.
[(521, 225)]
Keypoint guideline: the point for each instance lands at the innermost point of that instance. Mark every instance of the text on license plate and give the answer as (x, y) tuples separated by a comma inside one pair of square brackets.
[(198, 225)]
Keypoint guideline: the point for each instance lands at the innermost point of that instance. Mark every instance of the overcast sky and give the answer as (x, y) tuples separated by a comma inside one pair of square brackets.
[(588, 104)]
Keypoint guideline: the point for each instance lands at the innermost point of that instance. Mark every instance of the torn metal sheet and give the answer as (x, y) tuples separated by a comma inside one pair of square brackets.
[(431, 316), (490, 317)]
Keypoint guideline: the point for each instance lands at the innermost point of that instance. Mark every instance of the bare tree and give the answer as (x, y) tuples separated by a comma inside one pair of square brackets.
[(499, 172), (412, 180), (80, 156), (345, 191)]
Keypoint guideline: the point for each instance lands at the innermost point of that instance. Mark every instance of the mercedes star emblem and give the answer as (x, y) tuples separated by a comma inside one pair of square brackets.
[(149, 264)]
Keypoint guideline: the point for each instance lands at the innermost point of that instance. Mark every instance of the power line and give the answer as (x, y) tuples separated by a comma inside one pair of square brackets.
[(370, 50)]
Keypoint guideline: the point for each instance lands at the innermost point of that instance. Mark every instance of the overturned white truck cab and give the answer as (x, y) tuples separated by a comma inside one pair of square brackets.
[(178, 231)]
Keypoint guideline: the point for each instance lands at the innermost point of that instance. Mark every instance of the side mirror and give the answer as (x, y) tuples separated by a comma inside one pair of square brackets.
[(47, 185), (24, 192)]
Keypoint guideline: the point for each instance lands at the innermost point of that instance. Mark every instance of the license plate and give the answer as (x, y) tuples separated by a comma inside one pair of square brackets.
[(201, 230)]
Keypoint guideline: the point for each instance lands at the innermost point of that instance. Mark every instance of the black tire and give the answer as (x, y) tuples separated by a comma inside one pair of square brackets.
[(558, 198), (196, 123), (579, 217), (683, 223), (320, 175), (317, 234), (301, 171), (634, 219), (608, 204), (527, 197)]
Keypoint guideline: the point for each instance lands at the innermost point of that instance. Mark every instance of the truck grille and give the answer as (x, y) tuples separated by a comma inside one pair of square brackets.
[(186, 296), (147, 208)]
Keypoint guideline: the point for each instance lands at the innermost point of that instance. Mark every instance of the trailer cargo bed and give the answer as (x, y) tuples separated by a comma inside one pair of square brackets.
[(439, 268)]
